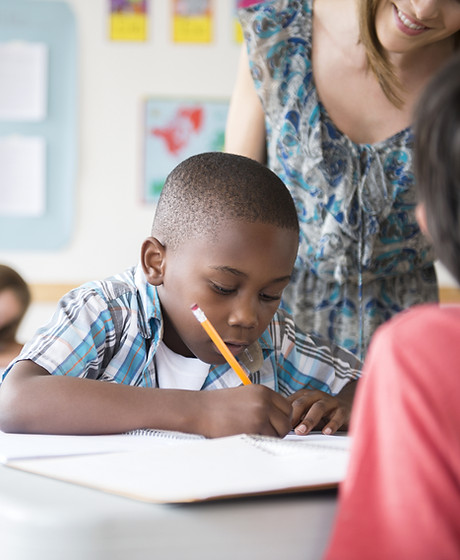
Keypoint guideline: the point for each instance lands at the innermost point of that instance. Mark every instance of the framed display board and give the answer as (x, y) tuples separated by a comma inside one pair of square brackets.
[(175, 129), (38, 123)]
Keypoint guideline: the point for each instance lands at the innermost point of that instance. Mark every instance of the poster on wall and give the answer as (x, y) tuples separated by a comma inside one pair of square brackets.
[(128, 20), (176, 129), (192, 21), (22, 176), (237, 29), (24, 79), (38, 124)]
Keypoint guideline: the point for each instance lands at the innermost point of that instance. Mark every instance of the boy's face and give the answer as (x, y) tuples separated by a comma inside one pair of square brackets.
[(236, 276)]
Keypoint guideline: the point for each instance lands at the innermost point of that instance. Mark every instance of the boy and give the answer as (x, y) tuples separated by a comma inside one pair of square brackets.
[(401, 496), (225, 237)]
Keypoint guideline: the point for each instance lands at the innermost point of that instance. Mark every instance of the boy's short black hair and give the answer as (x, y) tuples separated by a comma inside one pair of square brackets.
[(437, 162), (209, 188)]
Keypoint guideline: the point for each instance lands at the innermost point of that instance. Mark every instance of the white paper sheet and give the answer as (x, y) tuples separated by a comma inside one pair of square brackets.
[(203, 469), (169, 467), (24, 81), (22, 176)]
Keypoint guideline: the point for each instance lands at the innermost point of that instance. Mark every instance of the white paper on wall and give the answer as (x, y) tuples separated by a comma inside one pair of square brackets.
[(22, 176), (24, 81)]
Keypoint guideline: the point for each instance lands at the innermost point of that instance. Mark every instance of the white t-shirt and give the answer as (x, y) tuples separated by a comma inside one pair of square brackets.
[(178, 372)]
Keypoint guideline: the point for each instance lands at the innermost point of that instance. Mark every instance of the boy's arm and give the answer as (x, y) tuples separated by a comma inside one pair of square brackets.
[(327, 372), (33, 401)]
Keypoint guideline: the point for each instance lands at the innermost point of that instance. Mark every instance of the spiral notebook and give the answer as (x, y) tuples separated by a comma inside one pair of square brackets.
[(14, 447), (165, 467)]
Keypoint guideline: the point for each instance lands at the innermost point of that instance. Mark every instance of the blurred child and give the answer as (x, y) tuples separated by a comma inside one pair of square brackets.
[(128, 353), (401, 497), (14, 301)]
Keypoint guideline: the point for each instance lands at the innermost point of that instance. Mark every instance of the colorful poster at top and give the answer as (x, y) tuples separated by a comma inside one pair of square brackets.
[(192, 21), (128, 20), (176, 130), (237, 29)]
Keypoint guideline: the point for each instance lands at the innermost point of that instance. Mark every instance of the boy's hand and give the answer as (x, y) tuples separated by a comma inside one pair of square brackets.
[(252, 409), (316, 409)]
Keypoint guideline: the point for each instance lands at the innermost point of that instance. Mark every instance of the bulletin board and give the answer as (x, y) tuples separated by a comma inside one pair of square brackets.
[(47, 136), (176, 129)]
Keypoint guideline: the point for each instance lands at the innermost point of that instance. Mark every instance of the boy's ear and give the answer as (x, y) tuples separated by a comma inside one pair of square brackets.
[(153, 260)]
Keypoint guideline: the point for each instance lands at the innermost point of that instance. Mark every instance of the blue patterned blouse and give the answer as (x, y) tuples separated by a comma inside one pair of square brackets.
[(362, 257)]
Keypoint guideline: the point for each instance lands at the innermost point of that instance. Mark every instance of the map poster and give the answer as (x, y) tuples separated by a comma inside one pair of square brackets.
[(176, 129)]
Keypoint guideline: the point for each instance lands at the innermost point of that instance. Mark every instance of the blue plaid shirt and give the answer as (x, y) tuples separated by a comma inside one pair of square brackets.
[(110, 330)]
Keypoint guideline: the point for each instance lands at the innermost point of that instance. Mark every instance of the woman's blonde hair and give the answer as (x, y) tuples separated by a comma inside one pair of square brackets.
[(376, 55)]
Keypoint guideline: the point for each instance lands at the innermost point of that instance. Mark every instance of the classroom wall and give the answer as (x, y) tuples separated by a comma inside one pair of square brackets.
[(114, 78)]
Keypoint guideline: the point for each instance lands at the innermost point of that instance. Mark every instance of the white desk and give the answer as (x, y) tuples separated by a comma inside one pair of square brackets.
[(44, 519)]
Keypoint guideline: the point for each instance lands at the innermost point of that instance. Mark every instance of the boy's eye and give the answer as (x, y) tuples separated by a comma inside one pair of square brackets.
[(228, 291), (267, 297), (221, 290)]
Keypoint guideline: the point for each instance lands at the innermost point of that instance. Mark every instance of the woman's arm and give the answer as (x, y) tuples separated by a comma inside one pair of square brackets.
[(245, 131)]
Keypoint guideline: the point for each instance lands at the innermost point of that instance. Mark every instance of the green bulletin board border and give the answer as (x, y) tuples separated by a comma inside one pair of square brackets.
[(52, 23)]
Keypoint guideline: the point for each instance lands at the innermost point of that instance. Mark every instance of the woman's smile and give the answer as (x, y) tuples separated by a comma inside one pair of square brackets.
[(407, 24)]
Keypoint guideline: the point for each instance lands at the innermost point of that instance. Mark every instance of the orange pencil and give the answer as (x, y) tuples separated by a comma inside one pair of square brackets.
[(222, 347)]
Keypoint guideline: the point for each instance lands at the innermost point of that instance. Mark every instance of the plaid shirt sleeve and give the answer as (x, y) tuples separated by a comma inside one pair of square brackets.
[(90, 336), (78, 339), (303, 361)]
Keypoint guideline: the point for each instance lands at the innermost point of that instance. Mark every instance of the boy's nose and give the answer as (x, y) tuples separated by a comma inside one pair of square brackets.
[(243, 314)]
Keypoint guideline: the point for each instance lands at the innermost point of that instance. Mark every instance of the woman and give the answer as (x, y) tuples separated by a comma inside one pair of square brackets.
[(324, 95)]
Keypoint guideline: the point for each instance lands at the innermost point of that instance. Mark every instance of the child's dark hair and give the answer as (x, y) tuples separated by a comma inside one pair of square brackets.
[(12, 280), (207, 189), (437, 162)]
